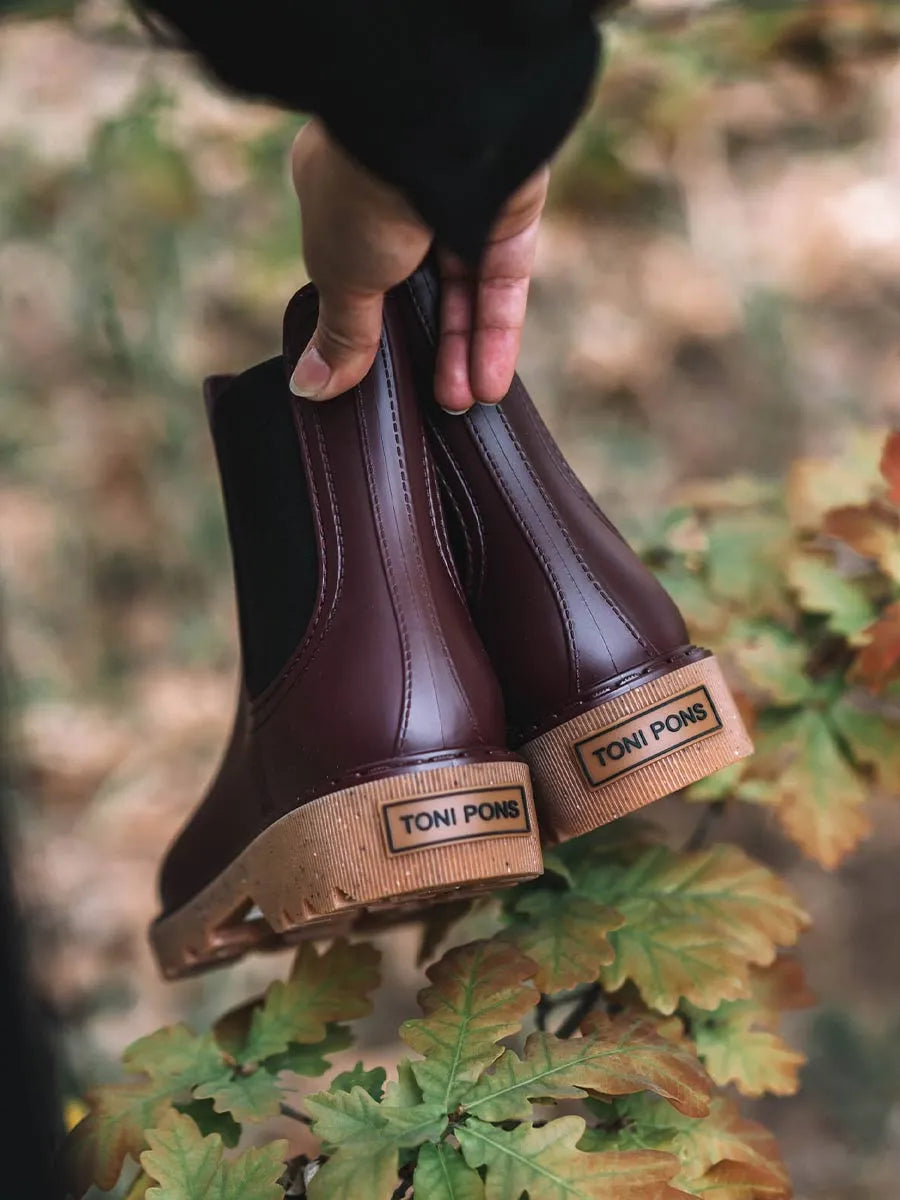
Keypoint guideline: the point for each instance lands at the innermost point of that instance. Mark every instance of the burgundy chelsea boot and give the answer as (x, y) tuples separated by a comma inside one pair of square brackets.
[(367, 767), (606, 698)]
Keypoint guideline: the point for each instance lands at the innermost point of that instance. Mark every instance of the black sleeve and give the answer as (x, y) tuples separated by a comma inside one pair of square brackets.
[(455, 102)]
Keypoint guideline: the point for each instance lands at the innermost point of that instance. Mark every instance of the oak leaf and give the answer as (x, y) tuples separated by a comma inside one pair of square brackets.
[(817, 485), (322, 988), (443, 1174), (366, 1136), (821, 588), (772, 660), (694, 923), (815, 790), (172, 1060), (646, 1122), (739, 1042), (565, 934), (478, 994), (614, 1057), (184, 1163), (370, 1081), (872, 531), (250, 1097), (546, 1163), (872, 739), (890, 465), (878, 663)]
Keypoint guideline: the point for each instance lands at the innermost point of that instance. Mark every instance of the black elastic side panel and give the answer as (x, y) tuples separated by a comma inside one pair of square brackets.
[(269, 518)]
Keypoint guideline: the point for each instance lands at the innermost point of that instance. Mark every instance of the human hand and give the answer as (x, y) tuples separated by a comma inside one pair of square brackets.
[(361, 237)]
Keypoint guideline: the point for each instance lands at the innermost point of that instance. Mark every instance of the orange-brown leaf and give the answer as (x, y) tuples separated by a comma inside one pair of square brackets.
[(729, 1180), (890, 465), (878, 663)]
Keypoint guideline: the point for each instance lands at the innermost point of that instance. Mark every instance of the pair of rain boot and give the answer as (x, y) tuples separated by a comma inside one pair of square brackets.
[(449, 655)]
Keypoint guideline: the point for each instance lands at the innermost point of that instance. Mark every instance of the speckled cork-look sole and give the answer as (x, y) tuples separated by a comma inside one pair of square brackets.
[(643, 743), (443, 833)]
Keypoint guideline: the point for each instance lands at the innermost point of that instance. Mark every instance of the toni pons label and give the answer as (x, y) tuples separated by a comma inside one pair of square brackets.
[(455, 817), (648, 735)]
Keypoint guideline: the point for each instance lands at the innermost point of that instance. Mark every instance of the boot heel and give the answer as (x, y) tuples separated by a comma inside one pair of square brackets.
[(640, 745), (443, 833)]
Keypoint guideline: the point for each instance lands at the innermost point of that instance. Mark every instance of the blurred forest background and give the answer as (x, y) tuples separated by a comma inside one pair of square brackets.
[(717, 293)]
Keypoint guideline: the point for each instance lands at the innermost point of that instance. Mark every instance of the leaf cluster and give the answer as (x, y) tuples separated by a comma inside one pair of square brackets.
[(800, 594)]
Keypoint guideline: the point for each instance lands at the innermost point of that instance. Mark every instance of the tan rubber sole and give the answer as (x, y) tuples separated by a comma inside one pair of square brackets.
[(635, 748), (390, 844)]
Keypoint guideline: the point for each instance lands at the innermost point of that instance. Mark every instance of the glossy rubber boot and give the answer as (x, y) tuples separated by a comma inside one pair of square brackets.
[(606, 697), (368, 767)]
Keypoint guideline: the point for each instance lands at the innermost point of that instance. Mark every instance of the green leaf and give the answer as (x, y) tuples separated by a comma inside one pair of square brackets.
[(207, 1120), (333, 986), (546, 1164), (565, 934), (310, 1060), (703, 614), (873, 740), (250, 1097), (822, 589), (370, 1081), (175, 1056), (694, 923), (354, 1121), (772, 659), (369, 1175), (442, 1174), (817, 794), (478, 995), (744, 560), (616, 1058), (188, 1166), (404, 1091)]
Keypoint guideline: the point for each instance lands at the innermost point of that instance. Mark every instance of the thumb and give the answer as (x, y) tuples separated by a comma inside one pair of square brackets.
[(343, 346)]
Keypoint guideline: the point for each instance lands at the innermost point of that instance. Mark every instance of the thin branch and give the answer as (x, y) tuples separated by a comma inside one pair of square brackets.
[(585, 1005), (544, 1008), (709, 819), (294, 1114)]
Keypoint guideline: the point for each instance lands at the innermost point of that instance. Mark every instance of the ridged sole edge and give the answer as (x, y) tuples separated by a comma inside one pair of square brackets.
[(615, 758), (376, 846)]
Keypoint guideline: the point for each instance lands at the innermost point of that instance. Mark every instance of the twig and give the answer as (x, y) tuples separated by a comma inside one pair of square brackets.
[(584, 1006), (544, 1008), (294, 1114), (709, 818)]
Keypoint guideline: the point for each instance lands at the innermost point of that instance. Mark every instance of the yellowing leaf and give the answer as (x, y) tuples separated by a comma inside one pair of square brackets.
[(546, 1164), (694, 923), (739, 1042), (614, 1057), (478, 995), (96, 1149), (822, 589), (565, 934), (310, 1060), (442, 1174), (739, 1181), (817, 794), (176, 1056), (816, 485), (773, 660), (878, 663), (645, 1122), (871, 531), (250, 1097), (185, 1164), (322, 988)]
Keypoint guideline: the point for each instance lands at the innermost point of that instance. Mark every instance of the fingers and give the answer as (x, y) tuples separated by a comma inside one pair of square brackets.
[(343, 346), (483, 311), (452, 388)]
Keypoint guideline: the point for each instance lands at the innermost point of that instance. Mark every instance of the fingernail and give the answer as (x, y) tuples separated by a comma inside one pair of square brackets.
[(453, 412), (311, 374)]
